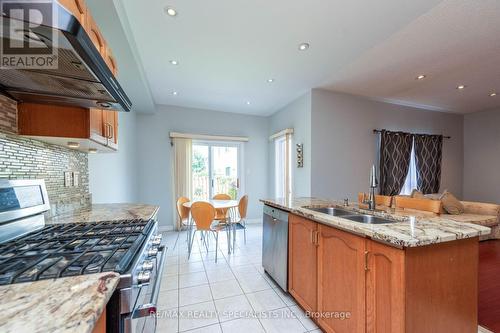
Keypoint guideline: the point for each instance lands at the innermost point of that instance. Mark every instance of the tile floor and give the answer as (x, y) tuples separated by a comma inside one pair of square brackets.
[(232, 295)]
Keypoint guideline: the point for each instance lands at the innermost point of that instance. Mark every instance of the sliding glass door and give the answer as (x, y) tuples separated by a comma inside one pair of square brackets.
[(216, 169)]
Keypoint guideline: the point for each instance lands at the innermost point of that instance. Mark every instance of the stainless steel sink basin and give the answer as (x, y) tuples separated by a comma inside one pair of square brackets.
[(331, 211), (369, 219)]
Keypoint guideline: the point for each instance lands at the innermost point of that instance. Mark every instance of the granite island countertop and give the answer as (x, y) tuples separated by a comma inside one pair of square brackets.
[(407, 231), (70, 304), (107, 212)]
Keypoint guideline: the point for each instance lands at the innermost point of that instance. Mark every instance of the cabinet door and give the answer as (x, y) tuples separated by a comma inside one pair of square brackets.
[(302, 261), (95, 34), (97, 129), (111, 122), (341, 281), (111, 61), (77, 8), (385, 307)]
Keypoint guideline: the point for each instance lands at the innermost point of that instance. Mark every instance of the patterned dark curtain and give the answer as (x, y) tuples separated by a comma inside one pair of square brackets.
[(428, 153), (395, 154)]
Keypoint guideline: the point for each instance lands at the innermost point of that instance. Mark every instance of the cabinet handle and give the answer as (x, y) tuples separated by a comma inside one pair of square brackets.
[(366, 260), (316, 238)]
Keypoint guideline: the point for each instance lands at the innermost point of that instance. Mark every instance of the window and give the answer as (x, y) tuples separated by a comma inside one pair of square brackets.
[(282, 165), (411, 178)]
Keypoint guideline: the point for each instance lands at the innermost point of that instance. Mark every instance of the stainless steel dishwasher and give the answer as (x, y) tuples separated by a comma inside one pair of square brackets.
[(275, 245)]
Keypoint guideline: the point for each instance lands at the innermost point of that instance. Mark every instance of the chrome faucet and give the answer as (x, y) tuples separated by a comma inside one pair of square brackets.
[(373, 185)]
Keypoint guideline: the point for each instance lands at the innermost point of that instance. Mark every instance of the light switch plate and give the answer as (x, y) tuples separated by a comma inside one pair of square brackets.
[(67, 178), (76, 178)]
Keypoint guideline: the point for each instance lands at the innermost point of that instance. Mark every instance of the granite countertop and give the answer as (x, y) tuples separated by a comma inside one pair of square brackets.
[(406, 232), (107, 212), (70, 304)]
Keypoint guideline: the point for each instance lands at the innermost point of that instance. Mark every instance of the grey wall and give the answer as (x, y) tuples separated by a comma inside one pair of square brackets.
[(296, 115), (154, 152), (344, 147), (482, 156), (113, 176)]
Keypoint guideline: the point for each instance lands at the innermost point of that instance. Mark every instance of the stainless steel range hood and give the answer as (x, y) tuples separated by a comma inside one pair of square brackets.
[(81, 77)]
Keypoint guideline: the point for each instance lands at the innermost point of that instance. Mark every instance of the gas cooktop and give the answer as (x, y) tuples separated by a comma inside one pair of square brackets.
[(72, 249)]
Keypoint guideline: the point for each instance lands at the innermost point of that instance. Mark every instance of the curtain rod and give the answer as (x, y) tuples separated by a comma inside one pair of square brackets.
[(380, 131)]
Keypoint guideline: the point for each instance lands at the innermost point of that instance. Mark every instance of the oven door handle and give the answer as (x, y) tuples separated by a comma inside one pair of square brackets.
[(150, 308)]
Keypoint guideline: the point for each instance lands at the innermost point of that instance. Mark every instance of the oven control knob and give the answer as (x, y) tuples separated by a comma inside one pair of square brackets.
[(144, 276), (152, 252), (156, 240), (147, 265)]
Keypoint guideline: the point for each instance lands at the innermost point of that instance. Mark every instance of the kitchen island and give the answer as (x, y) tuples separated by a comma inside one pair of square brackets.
[(409, 275)]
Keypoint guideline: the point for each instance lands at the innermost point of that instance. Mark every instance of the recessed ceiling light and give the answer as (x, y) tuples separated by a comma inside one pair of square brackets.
[(270, 80), (73, 144), (460, 87), (303, 46), (248, 103), (174, 62), (421, 77), (170, 11), (175, 93), (493, 94), (92, 150)]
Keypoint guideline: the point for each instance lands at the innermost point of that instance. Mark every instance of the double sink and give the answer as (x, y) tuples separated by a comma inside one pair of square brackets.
[(360, 218)]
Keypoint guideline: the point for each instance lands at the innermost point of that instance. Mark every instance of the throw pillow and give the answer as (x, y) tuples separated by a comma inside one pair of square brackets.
[(451, 204)]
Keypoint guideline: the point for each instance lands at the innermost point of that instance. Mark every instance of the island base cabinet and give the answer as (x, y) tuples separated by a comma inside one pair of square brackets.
[(353, 284), (302, 261), (341, 281), (385, 285), (441, 287)]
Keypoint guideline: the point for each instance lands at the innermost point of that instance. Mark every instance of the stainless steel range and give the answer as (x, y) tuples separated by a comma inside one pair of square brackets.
[(31, 250)]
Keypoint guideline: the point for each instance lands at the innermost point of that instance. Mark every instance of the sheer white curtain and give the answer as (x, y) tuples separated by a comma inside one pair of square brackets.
[(181, 173), (411, 178), (282, 165)]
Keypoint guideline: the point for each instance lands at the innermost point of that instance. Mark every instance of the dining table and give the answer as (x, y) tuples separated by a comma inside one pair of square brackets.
[(231, 205)]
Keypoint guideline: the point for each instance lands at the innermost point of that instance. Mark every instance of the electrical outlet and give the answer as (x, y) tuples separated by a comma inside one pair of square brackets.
[(67, 178), (76, 178)]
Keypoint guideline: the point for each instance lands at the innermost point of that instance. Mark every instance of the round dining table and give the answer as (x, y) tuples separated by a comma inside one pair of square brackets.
[(218, 204)]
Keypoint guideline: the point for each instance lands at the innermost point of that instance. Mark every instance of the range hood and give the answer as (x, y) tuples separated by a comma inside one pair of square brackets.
[(81, 76)]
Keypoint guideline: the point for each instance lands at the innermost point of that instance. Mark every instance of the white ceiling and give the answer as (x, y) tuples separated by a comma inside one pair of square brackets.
[(227, 49)]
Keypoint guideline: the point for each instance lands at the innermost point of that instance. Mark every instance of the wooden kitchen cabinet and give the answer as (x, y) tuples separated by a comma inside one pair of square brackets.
[(95, 34), (385, 283), (341, 280), (90, 128), (384, 289), (77, 8), (111, 122), (302, 264)]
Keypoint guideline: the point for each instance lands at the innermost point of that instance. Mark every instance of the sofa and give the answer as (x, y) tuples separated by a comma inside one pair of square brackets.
[(485, 214)]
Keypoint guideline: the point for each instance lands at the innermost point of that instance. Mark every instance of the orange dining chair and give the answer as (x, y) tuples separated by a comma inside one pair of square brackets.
[(221, 213), (183, 213), (240, 220), (203, 214)]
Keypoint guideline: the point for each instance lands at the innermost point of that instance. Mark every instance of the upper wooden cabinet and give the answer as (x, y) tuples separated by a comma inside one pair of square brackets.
[(111, 61), (302, 264), (63, 125), (77, 8), (95, 35)]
